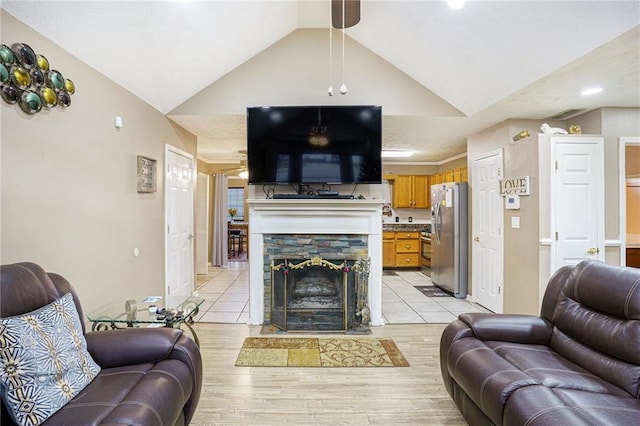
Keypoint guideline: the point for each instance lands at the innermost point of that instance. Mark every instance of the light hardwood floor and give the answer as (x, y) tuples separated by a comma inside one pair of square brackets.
[(324, 396)]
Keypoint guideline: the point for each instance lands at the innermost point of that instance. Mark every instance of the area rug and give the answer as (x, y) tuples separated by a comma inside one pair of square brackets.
[(432, 291), (319, 352)]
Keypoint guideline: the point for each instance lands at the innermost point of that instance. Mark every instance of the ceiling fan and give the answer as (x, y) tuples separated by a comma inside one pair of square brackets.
[(351, 13), (242, 171)]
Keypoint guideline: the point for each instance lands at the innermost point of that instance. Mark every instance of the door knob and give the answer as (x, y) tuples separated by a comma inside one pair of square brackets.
[(476, 239), (593, 250)]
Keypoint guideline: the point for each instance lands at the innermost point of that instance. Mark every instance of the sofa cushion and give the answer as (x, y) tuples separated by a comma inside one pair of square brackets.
[(608, 324), (620, 373), (551, 369), (44, 362), (485, 377), (143, 394), (601, 334), (540, 405)]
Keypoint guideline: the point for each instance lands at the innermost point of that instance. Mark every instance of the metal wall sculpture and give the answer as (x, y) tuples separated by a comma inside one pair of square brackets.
[(27, 79)]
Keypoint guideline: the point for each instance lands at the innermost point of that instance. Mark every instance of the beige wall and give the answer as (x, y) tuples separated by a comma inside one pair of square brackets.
[(408, 169), (69, 199), (614, 123), (526, 262), (520, 245), (291, 72), (454, 164), (632, 160), (633, 205)]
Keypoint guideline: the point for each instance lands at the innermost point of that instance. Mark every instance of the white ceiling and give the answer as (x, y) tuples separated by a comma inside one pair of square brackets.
[(490, 61)]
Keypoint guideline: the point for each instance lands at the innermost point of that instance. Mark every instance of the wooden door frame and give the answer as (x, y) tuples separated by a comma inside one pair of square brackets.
[(623, 142), (167, 149)]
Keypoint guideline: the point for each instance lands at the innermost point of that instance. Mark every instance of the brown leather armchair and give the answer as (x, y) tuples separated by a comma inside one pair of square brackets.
[(578, 363), (149, 376)]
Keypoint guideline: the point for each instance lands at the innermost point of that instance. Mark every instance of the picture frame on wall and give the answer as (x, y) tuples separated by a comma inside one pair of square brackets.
[(146, 174)]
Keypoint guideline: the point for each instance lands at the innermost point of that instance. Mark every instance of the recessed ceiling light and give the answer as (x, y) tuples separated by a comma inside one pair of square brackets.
[(396, 153), (456, 4), (591, 91)]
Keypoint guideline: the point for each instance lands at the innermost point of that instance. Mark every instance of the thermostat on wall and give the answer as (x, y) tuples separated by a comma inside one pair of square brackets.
[(512, 202)]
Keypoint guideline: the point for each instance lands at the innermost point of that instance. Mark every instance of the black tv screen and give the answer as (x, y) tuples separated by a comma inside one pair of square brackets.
[(314, 144)]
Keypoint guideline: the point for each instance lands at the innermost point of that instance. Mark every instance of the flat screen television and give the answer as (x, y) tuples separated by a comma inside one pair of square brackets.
[(314, 144)]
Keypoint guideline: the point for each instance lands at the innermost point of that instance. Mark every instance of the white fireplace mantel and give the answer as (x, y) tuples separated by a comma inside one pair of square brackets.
[(314, 216)]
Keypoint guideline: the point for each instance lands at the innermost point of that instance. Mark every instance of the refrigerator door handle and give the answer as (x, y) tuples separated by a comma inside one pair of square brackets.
[(438, 223)]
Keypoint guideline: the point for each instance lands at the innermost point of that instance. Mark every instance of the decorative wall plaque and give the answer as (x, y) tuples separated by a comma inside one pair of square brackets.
[(146, 174), (26, 78)]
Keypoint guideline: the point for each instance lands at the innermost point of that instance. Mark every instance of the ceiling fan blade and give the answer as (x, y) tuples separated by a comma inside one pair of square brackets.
[(351, 13)]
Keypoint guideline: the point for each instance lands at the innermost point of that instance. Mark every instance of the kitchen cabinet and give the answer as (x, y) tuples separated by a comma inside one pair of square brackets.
[(401, 249), (455, 175), (407, 249), (633, 257), (411, 191), (388, 249)]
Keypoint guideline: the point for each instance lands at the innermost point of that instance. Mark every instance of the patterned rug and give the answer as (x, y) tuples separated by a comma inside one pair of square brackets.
[(319, 352), (432, 291)]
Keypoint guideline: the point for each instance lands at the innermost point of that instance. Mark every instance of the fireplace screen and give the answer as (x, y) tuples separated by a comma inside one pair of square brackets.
[(317, 295)]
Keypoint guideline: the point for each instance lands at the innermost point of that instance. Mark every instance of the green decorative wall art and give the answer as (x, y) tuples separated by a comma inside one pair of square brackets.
[(26, 79)]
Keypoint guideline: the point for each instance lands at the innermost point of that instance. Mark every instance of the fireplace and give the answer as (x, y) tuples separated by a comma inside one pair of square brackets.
[(291, 232), (319, 295)]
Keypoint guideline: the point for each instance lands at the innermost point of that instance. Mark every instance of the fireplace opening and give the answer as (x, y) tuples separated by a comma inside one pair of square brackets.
[(317, 294)]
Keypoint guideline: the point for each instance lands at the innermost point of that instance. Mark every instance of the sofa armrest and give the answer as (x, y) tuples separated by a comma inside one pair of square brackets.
[(130, 346), (453, 332), (509, 328)]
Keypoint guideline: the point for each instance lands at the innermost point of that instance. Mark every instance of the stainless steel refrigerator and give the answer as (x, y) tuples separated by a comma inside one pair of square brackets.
[(449, 243)]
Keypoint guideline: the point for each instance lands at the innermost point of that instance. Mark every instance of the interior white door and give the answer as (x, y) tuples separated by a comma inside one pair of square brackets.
[(179, 187), (202, 224), (578, 195), (487, 270)]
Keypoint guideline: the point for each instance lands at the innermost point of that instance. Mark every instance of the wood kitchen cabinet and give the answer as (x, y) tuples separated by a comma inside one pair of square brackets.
[(401, 249), (411, 191), (633, 257), (407, 249), (455, 175), (388, 249)]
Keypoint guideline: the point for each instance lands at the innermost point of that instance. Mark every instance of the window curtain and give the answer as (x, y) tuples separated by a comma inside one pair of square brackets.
[(219, 251)]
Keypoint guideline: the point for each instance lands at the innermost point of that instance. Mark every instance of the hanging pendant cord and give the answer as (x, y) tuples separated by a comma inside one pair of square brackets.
[(343, 28), (330, 48)]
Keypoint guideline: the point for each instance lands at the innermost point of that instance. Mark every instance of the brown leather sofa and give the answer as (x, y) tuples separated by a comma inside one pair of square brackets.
[(149, 376), (576, 364)]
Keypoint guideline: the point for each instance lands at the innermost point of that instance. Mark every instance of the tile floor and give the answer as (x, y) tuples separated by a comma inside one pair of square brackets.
[(226, 293)]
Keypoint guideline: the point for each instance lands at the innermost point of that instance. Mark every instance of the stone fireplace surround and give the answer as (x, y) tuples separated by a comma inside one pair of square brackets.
[(314, 217)]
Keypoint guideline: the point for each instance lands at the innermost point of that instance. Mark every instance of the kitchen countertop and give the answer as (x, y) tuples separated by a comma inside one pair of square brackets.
[(405, 227)]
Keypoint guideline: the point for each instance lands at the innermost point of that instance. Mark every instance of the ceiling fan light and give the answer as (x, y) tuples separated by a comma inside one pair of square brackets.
[(318, 139), (591, 91), (243, 175), (455, 4), (396, 153)]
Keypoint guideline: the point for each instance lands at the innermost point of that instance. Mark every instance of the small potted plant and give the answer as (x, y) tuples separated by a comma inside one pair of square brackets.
[(232, 212)]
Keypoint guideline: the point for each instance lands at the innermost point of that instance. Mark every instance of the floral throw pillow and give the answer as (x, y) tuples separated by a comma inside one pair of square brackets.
[(44, 361)]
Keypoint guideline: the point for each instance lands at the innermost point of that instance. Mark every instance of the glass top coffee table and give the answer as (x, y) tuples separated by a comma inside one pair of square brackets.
[(147, 311)]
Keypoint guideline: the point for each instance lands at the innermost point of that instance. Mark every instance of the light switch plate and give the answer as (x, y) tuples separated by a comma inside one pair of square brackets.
[(515, 222)]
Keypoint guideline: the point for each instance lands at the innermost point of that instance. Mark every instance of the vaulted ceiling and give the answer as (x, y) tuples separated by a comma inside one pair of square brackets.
[(440, 74)]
